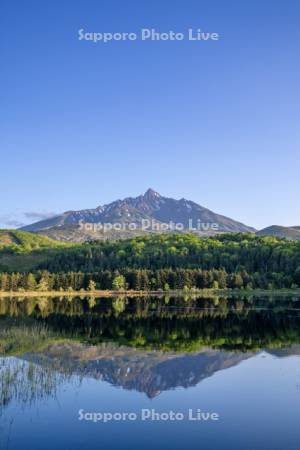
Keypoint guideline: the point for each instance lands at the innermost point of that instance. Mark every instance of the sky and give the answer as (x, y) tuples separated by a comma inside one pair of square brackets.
[(217, 122)]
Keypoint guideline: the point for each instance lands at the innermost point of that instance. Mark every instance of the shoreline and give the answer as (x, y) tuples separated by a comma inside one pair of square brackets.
[(131, 293)]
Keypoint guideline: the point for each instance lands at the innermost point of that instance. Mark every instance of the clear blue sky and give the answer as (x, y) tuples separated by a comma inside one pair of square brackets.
[(217, 122)]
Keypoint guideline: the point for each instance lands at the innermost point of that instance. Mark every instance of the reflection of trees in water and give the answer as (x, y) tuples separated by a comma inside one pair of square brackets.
[(153, 323), (140, 307), (27, 383)]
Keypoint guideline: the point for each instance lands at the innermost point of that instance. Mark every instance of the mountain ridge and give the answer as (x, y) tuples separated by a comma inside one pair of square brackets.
[(281, 232), (145, 213)]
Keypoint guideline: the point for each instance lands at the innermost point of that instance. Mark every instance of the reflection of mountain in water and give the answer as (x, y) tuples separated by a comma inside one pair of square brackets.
[(293, 350), (149, 372), (40, 375), (145, 344)]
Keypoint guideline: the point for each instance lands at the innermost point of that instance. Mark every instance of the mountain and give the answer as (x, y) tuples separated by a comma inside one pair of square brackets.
[(136, 215), (76, 233), (281, 232)]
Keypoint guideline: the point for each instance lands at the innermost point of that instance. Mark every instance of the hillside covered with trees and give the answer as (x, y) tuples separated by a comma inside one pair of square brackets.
[(166, 261), (21, 241)]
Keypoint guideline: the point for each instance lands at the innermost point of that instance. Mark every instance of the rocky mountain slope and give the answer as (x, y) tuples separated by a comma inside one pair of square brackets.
[(149, 212)]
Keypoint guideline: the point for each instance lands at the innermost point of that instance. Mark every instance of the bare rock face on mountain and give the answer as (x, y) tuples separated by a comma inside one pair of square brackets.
[(143, 211)]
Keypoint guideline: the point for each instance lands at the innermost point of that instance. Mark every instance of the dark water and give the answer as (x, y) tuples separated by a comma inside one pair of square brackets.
[(235, 360)]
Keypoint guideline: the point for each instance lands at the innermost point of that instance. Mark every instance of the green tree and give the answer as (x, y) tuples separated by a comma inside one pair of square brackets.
[(30, 282), (42, 285), (119, 283), (92, 285)]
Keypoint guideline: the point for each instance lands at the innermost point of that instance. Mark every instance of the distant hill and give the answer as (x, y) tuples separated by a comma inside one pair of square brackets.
[(24, 241), (20, 250), (138, 211), (281, 232)]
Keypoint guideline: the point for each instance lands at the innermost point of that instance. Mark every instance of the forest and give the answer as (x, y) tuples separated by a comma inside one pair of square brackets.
[(166, 261)]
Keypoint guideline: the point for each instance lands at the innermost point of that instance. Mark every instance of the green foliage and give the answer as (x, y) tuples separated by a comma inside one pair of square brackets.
[(23, 251), (153, 262), (231, 252), (42, 285), (31, 282), (92, 285), (17, 241), (241, 324), (119, 283)]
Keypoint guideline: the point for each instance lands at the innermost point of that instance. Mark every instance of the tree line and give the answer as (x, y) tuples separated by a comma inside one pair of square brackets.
[(231, 252), (146, 279)]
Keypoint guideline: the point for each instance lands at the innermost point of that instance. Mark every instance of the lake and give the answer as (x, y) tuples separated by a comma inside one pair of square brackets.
[(164, 373)]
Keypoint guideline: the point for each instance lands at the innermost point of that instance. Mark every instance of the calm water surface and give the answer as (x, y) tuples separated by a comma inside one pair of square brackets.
[(237, 358)]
